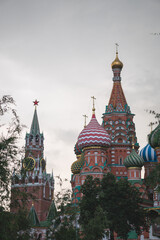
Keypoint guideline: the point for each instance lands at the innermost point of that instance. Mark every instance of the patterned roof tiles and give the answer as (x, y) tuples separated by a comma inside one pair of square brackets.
[(148, 154), (93, 135)]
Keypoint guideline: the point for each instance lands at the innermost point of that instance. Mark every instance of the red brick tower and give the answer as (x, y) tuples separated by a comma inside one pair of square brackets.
[(35, 180), (118, 121)]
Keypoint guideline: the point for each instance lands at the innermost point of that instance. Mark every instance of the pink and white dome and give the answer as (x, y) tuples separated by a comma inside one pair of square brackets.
[(93, 135)]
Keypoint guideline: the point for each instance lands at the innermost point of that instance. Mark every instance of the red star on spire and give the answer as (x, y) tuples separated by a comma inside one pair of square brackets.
[(36, 102)]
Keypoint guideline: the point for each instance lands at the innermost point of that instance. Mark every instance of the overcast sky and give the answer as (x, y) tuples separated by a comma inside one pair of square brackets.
[(60, 52)]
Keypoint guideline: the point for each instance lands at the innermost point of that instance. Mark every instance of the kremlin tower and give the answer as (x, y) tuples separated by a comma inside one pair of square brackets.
[(34, 178)]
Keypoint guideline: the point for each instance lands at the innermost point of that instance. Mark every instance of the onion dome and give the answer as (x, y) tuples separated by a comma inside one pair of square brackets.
[(117, 63), (154, 137), (133, 160), (94, 135), (148, 154), (77, 149), (77, 165)]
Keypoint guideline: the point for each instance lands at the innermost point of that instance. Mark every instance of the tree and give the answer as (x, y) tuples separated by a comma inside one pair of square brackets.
[(153, 180), (64, 225), (118, 204), (92, 218), (12, 226)]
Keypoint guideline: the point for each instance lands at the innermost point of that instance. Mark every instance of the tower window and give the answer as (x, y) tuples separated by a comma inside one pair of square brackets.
[(36, 179), (102, 157), (30, 138), (120, 161), (37, 138), (120, 140), (96, 157), (88, 157), (30, 179)]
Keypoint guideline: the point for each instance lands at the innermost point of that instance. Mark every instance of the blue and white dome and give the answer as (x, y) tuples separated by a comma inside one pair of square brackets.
[(148, 154)]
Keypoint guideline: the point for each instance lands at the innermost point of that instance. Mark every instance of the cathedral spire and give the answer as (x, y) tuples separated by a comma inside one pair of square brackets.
[(35, 124), (117, 100)]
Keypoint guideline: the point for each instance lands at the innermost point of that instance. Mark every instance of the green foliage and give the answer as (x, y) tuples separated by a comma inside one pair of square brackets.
[(66, 231), (92, 218), (65, 224), (111, 204), (9, 152), (12, 226), (153, 180)]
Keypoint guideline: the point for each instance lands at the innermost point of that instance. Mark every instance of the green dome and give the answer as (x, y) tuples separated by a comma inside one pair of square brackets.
[(77, 165), (154, 137), (133, 160)]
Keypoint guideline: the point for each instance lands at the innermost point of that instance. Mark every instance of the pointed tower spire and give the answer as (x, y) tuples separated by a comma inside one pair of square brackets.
[(52, 212), (35, 124), (117, 102), (32, 217)]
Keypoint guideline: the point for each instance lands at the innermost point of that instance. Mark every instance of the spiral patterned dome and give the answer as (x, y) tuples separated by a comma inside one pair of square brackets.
[(77, 165), (94, 135), (133, 160), (154, 137), (148, 154), (77, 149)]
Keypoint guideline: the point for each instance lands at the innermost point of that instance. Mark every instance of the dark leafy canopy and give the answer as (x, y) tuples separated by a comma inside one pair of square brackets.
[(12, 226), (119, 206), (9, 151), (153, 180), (92, 219), (65, 223)]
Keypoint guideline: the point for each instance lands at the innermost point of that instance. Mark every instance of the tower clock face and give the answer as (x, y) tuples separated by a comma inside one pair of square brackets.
[(29, 163), (43, 163)]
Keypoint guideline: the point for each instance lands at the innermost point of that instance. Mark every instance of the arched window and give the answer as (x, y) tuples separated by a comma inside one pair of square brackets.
[(30, 138), (37, 138), (120, 140), (30, 179), (95, 153), (88, 157), (36, 179), (120, 161), (102, 157)]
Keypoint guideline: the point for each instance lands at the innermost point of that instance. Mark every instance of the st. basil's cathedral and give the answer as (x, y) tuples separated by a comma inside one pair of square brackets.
[(100, 148)]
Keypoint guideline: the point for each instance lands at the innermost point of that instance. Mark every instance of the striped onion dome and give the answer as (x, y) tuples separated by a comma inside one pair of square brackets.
[(77, 149), (133, 160), (154, 137), (148, 154), (77, 165), (93, 135)]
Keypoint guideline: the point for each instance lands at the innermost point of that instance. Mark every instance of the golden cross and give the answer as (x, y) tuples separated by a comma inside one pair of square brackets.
[(116, 47), (93, 103), (85, 116)]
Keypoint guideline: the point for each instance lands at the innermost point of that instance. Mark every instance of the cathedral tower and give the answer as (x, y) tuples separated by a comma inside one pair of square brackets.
[(118, 121), (34, 178)]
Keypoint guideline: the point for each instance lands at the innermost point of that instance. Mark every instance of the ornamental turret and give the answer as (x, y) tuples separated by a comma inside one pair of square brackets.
[(150, 159), (134, 164), (92, 144)]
